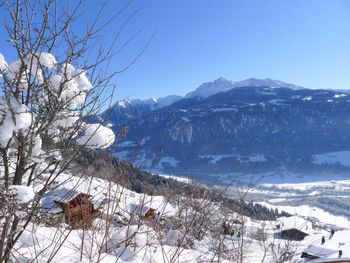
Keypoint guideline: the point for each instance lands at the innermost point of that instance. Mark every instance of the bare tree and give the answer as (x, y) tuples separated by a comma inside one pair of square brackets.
[(47, 97)]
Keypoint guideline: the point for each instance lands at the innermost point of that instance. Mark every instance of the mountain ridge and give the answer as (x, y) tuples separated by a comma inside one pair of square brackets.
[(252, 129)]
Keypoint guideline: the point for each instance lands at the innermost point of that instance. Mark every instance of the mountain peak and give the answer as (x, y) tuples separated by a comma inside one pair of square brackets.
[(222, 80), (221, 84), (208, 89), (153, 103)]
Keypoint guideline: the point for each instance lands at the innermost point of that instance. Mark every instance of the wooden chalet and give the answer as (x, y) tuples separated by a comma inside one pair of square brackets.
[(334, 248), (77, 208), (294, 227), (144, 212)]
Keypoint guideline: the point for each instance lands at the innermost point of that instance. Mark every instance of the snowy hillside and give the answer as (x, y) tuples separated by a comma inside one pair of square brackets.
[(120, 235)]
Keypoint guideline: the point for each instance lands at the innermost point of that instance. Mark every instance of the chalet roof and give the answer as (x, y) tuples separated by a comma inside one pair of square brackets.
[(294, 222), (329, 251), (332, 260), (321, 251), (138, 209), (50, 200), (65, 195)]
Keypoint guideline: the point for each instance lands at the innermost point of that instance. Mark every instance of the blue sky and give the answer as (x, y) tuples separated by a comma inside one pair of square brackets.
[(298, 41)]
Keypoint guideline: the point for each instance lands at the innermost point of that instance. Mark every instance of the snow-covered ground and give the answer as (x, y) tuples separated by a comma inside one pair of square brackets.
[(325, 202), (139, 241)]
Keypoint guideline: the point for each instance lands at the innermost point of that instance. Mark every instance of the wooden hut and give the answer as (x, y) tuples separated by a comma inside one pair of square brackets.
[(77, 208), (334, 248), (294, 227), (144, 212)]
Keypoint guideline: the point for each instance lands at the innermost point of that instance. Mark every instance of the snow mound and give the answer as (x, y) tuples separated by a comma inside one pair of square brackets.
[(97, 136), (23, 194)]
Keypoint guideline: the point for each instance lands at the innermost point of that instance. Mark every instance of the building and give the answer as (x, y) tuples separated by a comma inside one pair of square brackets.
[(143, 212), (293, 227), (77, 208), (331, 248)]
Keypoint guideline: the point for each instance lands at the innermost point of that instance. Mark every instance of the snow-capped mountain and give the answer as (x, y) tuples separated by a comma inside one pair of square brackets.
[(128, 109), (152, 102), (250, 126), (222, 85)]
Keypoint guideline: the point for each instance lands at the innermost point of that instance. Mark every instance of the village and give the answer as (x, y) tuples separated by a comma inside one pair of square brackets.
[(78, 205)]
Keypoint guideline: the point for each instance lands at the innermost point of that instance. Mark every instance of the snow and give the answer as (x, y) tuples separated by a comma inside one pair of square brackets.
[(252, 158), (277, 101), (295, 222), (309, 211), (223, 109), (210, 88), (167, 161), (66, 121), (96, 136), (340, 157), (3, 63), (222, 85), (83, 82), (308, 98), (145, 140), (32, 65), (17, 119), (185, 119), (65, 195), (152, 102), (213, 159), (333, 243), (47, 60), (146, 243), (68, 70), (23, 194), (177, 178), (123, 103), (37, 148), (69, 88), (337, 96), (135, 209), (23, 117), (315, 182), (13, 74)]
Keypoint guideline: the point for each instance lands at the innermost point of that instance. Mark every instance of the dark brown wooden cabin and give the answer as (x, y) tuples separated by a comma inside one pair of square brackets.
[(293, 234), (150, 214), (78, 209)]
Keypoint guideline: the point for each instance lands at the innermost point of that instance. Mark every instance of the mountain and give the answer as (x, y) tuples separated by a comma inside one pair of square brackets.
[(244, 129), (222, 85), (127, 109)]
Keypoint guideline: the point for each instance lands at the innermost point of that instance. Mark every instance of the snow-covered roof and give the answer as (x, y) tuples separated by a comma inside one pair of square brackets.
[(65, 195), (321, 251), (135, 209), (294, 222), (330, 249)]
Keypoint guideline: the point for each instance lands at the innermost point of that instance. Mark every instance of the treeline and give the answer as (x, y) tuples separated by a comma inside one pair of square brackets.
[(105, 166)]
